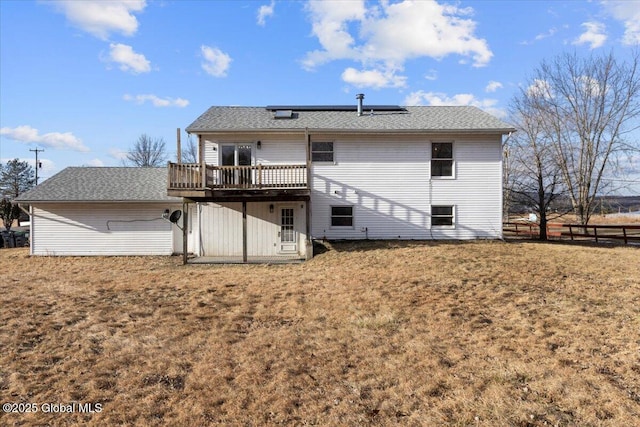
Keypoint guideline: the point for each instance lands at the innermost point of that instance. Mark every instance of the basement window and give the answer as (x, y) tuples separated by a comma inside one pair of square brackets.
[(342, 216), (441, 216), (322, 151)]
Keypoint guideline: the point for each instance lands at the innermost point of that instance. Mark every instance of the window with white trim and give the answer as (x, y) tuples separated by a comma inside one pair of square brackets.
[(442, 216), (442, 159), (322, 151), (342, 216)]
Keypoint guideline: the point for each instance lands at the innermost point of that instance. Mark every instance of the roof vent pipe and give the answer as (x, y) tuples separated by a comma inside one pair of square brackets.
[(360, 97)]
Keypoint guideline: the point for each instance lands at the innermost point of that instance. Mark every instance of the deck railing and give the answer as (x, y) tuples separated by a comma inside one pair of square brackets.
[(190, 176)]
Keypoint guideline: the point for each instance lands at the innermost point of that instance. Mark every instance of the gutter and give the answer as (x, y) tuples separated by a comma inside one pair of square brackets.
[(303, 131), (32, 202)]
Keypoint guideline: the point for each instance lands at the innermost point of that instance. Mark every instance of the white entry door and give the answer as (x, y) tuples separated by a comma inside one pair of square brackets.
[(287, 235)]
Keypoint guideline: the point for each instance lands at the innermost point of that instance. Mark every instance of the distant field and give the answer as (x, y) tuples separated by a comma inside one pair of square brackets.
[(371, 333)]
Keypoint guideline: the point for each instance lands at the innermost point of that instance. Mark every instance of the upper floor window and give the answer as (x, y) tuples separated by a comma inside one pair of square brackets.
[(442, 159), (322, 151)]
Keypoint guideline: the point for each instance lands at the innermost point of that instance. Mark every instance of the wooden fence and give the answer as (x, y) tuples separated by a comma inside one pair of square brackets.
[(629, 234)]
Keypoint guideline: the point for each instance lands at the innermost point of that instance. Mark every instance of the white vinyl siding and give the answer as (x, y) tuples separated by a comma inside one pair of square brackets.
[(211, 153), (385, 181), (476, 192), (101, 229), (220, 228), (282, 151), (389, 184), (277, 150)]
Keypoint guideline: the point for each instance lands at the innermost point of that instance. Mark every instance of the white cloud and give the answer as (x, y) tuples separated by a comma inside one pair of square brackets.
[(383, 37), (594, 35), (156, 101), (56, 140), (373, 78), (540, 88), (118, 153), (264, 12), (329, 25), (441, 99), (493, 86), (549, 33), (128, 60), (216, 62), (100, 18), (95, 162), (431, 75), (629, 13)]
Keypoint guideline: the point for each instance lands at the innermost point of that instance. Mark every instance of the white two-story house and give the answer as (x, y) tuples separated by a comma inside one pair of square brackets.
[(271, 179)]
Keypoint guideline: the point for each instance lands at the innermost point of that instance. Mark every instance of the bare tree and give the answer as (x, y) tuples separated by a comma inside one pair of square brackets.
[(147, 152), (190, 151), (587, 107), (535, 177)]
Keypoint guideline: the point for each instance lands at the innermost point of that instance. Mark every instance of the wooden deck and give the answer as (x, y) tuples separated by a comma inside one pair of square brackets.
[(193, 176), (194, 180)]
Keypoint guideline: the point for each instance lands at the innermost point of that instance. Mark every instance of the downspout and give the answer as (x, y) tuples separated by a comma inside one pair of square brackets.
[(309, 241)]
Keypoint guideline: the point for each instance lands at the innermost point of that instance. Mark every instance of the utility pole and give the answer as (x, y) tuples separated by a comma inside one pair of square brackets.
[(38, 165)]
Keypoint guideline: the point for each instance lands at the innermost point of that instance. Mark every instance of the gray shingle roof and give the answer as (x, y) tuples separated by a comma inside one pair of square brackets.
[(435, 119), (102, 184)]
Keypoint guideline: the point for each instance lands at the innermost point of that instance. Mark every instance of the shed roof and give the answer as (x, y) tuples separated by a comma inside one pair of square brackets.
[(401, 119), (102, 184)]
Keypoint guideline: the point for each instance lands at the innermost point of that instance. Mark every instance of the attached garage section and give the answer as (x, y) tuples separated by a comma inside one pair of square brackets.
[(103, 211), (103, 229)]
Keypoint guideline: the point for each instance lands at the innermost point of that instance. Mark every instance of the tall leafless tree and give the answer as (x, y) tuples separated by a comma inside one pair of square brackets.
[(534, 177), (587, 107), (147, 152)]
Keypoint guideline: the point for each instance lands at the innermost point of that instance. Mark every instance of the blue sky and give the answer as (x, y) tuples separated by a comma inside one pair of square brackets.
[(84, 79)]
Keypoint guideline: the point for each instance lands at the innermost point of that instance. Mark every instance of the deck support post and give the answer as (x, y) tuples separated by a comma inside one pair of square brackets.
[(244, 232), (185, 226)]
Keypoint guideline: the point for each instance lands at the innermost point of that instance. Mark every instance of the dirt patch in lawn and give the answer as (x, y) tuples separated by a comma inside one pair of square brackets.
[(382, 333)]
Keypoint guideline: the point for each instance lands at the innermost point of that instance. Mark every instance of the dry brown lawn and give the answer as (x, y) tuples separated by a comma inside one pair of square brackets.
[(382, 333)]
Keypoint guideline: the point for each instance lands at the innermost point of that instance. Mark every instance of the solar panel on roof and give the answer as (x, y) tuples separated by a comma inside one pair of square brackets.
[(293, 108)]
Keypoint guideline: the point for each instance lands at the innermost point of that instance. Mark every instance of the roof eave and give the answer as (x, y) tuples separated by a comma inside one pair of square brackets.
[(31, 202), (484, 131)]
